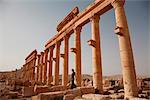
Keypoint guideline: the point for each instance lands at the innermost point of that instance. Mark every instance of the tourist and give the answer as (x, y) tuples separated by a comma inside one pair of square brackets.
[(72, 79)]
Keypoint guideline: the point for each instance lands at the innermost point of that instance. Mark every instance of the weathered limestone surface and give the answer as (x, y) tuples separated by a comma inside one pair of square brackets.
[(57, 88), (127, 61), (76, 92), (77, 44), (69, 97), (45, 66), (73, 23), (51, 96), (95, 97), (96, 54), (67, 19), (87, 90), (66, 60), (56, 71), (50, 64), (28, 91), (41, 89)]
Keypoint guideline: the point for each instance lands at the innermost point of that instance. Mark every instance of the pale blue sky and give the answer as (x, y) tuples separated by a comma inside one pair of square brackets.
[(26, 25)]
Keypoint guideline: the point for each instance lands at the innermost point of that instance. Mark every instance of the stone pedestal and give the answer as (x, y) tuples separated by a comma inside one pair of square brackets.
[(127, 61)]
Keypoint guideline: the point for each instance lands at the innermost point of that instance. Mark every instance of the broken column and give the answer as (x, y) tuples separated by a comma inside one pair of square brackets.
[(127, 61), (96, 53)]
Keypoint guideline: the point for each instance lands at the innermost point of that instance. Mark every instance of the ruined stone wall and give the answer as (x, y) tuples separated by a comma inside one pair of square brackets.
[(10, 75)]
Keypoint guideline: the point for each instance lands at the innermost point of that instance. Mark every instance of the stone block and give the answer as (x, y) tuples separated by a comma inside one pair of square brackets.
[(34, 97), (28, 91), (75, 91), (117, 96), (12, 95), (51, 96), (69, 97), (26, 83), (41, 89), (96, 97), (57, 88), (87, 90)]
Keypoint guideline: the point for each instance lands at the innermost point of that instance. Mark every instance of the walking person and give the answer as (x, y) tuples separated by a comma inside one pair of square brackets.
[(72, 79)]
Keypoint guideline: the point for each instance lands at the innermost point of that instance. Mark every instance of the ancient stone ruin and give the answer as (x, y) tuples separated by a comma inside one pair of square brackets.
[(36, 74)]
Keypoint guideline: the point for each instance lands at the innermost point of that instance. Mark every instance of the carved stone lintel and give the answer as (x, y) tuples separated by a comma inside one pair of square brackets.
[(68, 18)]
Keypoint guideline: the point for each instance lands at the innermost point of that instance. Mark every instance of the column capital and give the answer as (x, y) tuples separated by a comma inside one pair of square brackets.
[(46, 51), (67, 36), (58, 43), (42, 53), (52, 47), (117, 3), (95, 17), (78, 29)]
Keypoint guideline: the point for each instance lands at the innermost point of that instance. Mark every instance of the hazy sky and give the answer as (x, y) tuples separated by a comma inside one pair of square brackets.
[(26, 25)]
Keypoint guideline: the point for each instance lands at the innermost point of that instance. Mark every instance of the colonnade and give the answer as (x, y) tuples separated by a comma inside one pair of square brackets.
[(46, 59)]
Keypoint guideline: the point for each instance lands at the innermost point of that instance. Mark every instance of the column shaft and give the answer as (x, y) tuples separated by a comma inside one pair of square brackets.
[(65, 66), (50, 65), (127, 61), (41, 66), (77, 44), (45, 66), (96, 54), (33, 69), (56, 73), (38, 63)]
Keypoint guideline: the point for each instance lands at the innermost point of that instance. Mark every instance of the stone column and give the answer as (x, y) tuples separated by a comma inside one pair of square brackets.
[(96, 54), (127, 61), (33, 69), (38, 65), (77, 52), (56, 71), (41, 66), (45, 66), (50, 65), (66, 60)]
